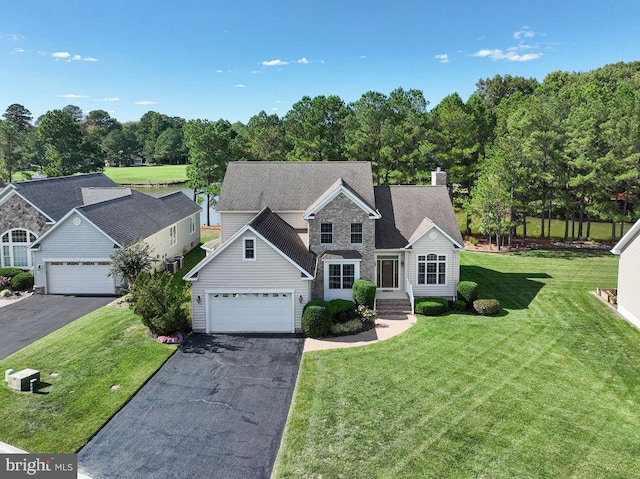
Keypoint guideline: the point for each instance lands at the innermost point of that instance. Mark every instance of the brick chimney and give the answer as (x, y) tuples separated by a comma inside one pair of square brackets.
[(438, 177)]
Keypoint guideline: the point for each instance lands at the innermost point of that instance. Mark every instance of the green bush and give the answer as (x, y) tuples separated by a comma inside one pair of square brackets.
[(367, 315), (350, 327), (10, 272), (160, 304), (317, 302), (467, 291), (342, 310), (22, 281), (486, 307), (316, 321), (364, 292), (5, 293), (459, 305), (431, 306)]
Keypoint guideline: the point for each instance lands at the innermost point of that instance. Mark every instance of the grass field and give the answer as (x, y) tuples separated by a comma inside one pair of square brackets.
[(599, 231), (91, 368), (549, 389), (143, 175)]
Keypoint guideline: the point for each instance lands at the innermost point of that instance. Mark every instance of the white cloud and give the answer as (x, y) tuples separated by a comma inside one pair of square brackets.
[(13, 37), (239, 85), (255, 72), (76, 57), (145, 102), (72, 95), (275, 108), (219, 71), (274, 63), (90, 59), (524, 33), (108, 98), (443, 57), (362, 57), (303, 60), (510, 55), (18, 50), (62, 55)]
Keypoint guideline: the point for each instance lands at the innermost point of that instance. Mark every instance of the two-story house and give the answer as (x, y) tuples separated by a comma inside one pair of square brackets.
[(295, 231)]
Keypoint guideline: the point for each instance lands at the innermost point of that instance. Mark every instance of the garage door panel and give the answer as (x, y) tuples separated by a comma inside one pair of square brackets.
[(79, 277), (251, 313)]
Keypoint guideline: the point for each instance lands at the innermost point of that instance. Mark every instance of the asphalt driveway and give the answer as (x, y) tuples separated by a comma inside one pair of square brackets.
[(216, 409), (32, 318)]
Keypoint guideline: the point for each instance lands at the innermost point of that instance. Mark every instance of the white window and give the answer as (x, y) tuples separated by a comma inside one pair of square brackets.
[(356, 233), (192, 223), (249, 249), (326, 233), (173, 235), (432, 269), (14, 248)]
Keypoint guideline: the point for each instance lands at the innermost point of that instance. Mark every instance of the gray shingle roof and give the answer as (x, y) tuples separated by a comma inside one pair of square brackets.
[(280, 234), (131, 218), (57, 196), (403, 210), (289, 185)]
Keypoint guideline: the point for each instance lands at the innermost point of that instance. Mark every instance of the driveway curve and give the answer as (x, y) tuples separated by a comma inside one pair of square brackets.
[(25, 321), (216, 409)]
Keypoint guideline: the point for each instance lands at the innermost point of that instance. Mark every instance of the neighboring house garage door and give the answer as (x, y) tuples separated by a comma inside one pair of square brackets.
[(250, 313), (81, 277)]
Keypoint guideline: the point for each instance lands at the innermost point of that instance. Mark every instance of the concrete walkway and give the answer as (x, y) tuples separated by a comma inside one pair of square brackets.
[(385, 329)]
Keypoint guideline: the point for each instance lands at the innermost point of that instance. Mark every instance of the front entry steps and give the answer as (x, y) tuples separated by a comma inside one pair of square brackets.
[(398, 309)]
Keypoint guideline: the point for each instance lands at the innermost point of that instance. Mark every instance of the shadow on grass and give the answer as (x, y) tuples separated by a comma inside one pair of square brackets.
[(513, 290), (565, 253)]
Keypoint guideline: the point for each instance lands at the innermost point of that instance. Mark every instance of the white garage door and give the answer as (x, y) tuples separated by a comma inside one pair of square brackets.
[(250, 313), (81, 277)]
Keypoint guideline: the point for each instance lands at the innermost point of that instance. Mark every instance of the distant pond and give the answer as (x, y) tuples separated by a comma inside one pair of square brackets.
[(165, 190)]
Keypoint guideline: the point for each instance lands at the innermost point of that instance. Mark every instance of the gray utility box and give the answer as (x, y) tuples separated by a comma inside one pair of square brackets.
[(21, 381)]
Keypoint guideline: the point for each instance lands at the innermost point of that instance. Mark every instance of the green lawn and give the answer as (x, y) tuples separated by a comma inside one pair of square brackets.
[(142, 175), (599, 231), (99, 362), (549, 389)]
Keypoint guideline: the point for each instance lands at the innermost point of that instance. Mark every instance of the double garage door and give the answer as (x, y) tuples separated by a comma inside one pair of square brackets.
[(250, 313), (79, 277)]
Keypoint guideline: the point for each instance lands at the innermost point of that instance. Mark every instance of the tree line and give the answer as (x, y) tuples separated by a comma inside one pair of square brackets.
[(567, 147)]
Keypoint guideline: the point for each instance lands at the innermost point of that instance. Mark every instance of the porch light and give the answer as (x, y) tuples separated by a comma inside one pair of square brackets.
[(300, 299), (198, 299)]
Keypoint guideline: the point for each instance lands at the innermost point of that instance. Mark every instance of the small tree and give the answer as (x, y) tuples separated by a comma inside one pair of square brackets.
[(160, 303), (130, 261)]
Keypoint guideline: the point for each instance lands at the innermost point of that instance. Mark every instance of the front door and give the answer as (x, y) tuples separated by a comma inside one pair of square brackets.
[(388, 272)]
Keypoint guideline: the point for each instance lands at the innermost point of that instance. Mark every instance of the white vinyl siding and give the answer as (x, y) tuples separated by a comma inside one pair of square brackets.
[(228, 272), (185, 241), (440, 246), (628, 285)]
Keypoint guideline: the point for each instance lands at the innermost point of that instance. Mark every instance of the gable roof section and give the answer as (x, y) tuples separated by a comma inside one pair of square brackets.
[(55, 197), (131, 218), (627, 239), (408, 212), (276, 232), (97, 195), (340, 186), (290, 185)]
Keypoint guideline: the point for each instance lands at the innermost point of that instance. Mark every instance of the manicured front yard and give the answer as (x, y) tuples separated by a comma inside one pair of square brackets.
[(549, 389), (92, 367)]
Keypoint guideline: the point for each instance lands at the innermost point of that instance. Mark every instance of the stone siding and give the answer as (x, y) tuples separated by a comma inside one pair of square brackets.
[(17, 213), (341, 212)]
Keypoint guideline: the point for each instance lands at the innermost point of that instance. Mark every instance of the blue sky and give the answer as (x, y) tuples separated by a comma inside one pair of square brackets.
[(231, 59)]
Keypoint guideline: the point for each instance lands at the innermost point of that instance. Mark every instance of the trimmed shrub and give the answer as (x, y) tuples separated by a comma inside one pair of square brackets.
[(486, 307), (10, 272), (342, 310), (431, 306), (467, 291), (350, 327), (364, 292), (367, 315), (459, 305), (317, 302), (22, 281), (316, 321), (5, 293)]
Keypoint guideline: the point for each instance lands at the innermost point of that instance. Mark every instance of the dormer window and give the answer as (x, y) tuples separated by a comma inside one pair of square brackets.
[(326, 233), (249, 249), (356, 233)]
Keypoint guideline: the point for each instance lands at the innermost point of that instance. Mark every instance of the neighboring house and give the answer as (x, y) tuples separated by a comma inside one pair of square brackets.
[(66, 229), (629, 274), (295, 231)]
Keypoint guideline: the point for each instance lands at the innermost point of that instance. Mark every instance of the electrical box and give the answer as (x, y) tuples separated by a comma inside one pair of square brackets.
[(20, 381)]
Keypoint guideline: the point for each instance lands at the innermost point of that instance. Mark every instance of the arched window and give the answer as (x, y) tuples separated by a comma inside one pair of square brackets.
[(14, 248)]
